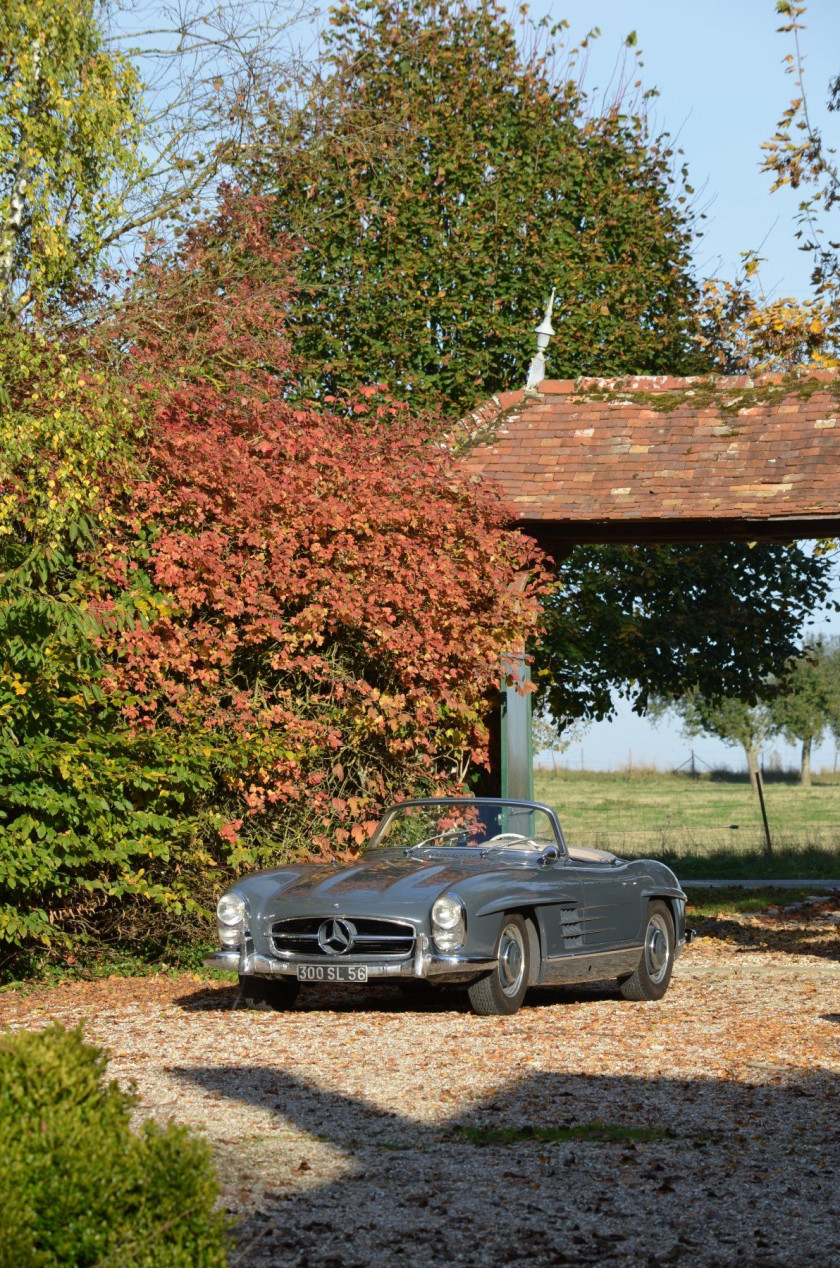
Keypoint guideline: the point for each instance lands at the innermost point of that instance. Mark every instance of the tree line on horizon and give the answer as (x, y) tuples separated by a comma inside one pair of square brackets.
[(800, 705), (245, 595)]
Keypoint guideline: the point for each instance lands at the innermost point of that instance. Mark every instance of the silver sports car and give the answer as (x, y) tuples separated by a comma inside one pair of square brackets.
[(484, 893)]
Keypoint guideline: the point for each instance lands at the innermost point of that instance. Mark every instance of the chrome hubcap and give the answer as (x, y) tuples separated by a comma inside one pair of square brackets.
[(657, 948), (511, 960)]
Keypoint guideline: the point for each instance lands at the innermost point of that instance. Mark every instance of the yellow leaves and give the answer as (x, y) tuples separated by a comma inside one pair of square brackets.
[(14, 682), (776, 336)]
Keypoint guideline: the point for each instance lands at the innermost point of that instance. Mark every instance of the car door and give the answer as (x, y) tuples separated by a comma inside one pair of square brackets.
[(612, 905), (561, 909)]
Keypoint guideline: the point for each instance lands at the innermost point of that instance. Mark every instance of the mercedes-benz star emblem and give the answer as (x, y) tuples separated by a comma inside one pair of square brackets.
[(336, 937)]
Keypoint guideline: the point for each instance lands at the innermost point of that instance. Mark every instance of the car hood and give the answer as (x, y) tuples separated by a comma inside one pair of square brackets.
[(386, 883)]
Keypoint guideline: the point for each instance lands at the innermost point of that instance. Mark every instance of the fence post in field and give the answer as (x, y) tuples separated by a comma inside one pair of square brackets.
[(768, 849)]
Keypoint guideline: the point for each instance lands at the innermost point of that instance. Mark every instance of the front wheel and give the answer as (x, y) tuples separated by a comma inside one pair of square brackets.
[(268, 993), (503, 990), (651, 978)]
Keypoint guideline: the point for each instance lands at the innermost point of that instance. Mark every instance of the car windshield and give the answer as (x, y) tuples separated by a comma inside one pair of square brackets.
[(467, 824)]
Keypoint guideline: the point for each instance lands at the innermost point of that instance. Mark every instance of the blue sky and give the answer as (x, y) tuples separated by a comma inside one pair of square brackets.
[(718, 68), (722, 87)]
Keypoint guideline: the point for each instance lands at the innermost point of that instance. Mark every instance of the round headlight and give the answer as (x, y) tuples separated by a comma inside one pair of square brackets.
[(447, 912), (230, 909)]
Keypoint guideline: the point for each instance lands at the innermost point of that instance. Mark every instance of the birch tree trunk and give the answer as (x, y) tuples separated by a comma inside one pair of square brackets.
[(13, 225)]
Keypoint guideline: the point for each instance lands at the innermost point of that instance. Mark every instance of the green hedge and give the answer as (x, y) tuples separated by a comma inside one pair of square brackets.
[(79, 1186)]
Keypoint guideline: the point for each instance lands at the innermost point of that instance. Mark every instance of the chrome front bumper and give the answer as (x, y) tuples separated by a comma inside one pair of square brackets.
[(422, 964)]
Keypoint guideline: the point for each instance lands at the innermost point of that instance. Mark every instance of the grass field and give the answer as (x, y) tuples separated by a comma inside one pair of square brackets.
[(709, 826)]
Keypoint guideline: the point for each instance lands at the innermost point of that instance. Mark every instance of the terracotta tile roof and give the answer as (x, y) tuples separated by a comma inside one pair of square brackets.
[(597, 459)]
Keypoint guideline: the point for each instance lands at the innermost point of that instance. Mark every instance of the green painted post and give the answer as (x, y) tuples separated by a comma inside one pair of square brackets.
[(517, 743)]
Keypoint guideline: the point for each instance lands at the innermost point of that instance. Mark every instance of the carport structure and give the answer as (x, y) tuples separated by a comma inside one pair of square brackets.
[(656, 460)]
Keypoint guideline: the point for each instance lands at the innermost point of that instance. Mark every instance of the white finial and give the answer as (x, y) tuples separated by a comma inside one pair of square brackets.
[(544, 331)]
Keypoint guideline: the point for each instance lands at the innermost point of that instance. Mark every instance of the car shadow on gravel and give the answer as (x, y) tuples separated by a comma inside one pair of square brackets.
[(210, 998), (706, 1171), (373, 997), (387, 998)]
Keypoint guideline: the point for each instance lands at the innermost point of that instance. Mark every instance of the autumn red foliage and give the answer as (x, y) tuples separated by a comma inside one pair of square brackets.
[(323, 596)]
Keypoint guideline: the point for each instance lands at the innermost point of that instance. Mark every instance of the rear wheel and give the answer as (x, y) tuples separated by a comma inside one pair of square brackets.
[(502, 991), (651, 978), (267, 993)]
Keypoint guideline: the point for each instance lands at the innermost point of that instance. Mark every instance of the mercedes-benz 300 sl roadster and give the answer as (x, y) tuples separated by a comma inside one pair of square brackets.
[(480, 893)]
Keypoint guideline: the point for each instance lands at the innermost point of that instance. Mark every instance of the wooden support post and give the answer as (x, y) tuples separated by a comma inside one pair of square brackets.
[(517, 756)]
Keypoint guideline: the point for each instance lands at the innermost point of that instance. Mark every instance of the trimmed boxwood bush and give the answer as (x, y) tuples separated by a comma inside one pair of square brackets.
[(80, 1187)]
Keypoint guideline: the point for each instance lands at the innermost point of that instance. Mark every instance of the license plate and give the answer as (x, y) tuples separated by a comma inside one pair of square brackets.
[(332, 972)]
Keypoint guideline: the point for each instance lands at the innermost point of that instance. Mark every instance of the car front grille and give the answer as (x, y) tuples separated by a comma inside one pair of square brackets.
[(368, 937)]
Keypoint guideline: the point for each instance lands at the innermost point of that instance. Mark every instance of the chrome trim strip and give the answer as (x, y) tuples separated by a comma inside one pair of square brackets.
[(345, 958), (423, 964), (442, 964), (222, 960), (360, 937), (601, 955), (586, 965), (422, 958)]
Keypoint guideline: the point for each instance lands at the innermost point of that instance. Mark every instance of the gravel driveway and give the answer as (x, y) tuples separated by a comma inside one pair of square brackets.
[(371, 1129)]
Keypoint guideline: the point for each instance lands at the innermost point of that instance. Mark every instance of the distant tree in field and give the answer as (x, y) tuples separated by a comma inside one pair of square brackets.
[(803, 708), (446, 182), (731, 720), (829, 673)]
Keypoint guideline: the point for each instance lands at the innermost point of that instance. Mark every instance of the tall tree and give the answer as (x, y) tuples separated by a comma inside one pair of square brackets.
[(459, 178), (69, 123), (117, 120), (447, 182)]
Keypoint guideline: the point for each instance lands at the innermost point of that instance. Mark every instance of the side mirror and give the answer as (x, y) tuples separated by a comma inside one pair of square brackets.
[(549, 855)]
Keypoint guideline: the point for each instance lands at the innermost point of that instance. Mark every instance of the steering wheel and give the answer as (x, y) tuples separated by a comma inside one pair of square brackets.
[(506, 837)]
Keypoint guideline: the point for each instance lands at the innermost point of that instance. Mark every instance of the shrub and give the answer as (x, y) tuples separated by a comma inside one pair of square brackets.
[(79, 1186), (231, 628), (91, 813)]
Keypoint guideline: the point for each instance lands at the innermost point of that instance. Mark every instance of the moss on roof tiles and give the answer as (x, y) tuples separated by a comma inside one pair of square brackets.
[(706, 395)]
